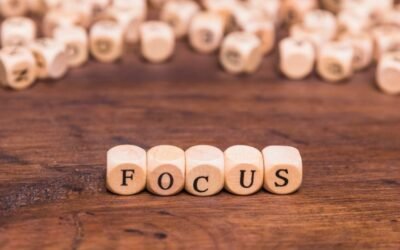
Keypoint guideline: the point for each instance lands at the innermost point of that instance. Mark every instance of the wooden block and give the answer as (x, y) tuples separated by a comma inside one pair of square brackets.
[(265, 30), (126, 169), (297, 57), (244, 13), (388, 73), (241, 52), (165, 170), (17, 67), (179, 14), (56, 18), (363, 48), (17, 31), (283, 169), (83, 9), (353, 21), (9, 8), (139, 6), (321, 21), (206, 32), (106, 40), (293, 11), (157, 41), (335, 61), (204, 170), (51, 59), (298, 31), (269, 8), (386, 39), (75, 40), (244, 170)]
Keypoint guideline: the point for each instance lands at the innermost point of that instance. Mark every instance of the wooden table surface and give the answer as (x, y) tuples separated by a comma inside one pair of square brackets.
[(54, 138)]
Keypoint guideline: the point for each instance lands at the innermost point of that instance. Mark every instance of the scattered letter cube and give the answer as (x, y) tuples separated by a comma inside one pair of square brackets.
[(17, 31), (157, 41), (106, 41), (388, 73)]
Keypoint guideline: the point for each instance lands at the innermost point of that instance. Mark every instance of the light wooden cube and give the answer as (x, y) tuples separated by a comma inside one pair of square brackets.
[(293, 11), (298, 31), (265, 30), (179, 14), (17, 31), (297, 57), (244, 170), (17, 67), (243, 14), (353, 21), (241, 52), (283, 169), (165, 170), (206, 32), (363, 49), (82, 8), (157, 41), (335, 61), (106, 41), (9, 8), (204, 170), (269, 8), (386, 39), (126, 169), (388, 73), (56, 18), (139, 6), (76, 44), (51, 59), (321, 21)]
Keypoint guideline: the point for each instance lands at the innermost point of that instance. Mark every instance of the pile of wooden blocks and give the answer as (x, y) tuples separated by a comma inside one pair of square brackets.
[(203, 170), (336, 38)]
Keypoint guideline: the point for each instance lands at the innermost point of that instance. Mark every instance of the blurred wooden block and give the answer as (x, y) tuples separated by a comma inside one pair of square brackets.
[(106, 41), (76, 44), (17, 31), (241, 52), (386, 39), (126, 169), (83, 9), (179, 14), (10, 8), (388, 73), (353, 21), (298, 31), (157, 41), (297, 58), (51, 59), (17, 67), (265, 30), (283, 169), (244, 170), (335, 61), (99, 6), (165, 170), (293, 11), (269, 8), (363, 49), (322, 22), (139, 6), (56, 18), (206, 32), (204, 170)]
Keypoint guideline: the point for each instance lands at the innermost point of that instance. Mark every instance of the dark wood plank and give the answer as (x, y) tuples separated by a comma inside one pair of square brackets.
[(54, 138)]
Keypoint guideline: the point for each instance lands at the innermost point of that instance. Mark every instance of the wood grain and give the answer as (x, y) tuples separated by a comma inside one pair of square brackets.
[(54, 138)]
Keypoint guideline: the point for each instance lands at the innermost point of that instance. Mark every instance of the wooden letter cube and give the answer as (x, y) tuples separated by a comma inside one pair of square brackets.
[(265, 30), (165, 170), (10, 8), (56, 18), (206, 32), (283, 169), (179, 14), (126, 169), (293, 11), (297, 57), (106, 41), (244, 170), (335, 61), (386, 39), (363, 49), (321, 21), (204, 170), (388, 73), (157, 41), (76, 44), (17, 31), (241, 52), (17, 67), (51, 59)]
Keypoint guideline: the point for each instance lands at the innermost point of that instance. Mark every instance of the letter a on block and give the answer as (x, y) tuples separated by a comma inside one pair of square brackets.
[(126, 169), (243, 170), (283, 169)]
